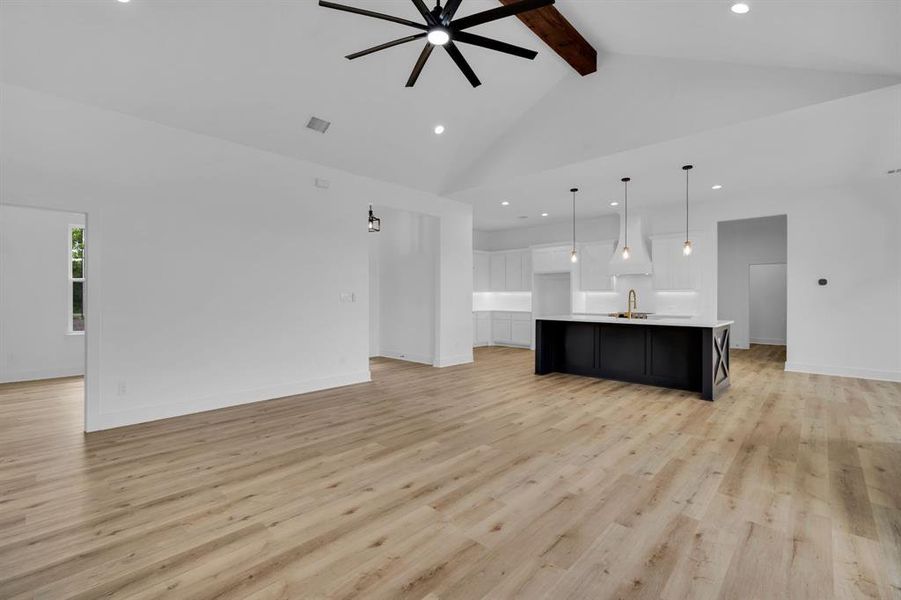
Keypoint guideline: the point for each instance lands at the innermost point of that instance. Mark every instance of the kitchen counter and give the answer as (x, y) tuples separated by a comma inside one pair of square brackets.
[(672, 352), (652, 320)]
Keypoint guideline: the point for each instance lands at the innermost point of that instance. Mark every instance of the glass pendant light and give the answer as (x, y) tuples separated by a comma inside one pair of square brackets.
[(686, 247), (574, 256), (626, 181), (375, 223)]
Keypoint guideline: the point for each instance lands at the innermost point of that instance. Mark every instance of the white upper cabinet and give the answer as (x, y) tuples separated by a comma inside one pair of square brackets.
[(551, 259), (514, 271), (507, 271), (481, 265), (594, 266), (498, 269), (672, 269), (527, 270)]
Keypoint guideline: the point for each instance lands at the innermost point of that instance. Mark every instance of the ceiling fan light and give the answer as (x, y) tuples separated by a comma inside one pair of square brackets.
[(438, 36)]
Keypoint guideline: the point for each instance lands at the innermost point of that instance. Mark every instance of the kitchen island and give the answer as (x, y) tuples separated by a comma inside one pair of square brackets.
[(680, 353)]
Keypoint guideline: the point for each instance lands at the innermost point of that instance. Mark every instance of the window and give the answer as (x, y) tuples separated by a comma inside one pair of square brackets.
[(76, 278)]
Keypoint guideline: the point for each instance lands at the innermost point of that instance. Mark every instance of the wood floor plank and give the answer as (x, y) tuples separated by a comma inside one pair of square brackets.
[(474, 481)]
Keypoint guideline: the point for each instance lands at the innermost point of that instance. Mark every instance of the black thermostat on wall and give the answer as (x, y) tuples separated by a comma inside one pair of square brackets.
[(822, 281)]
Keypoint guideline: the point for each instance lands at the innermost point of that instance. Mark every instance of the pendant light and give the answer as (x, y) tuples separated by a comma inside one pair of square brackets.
[(686, 247), (626, 181), (375, 223), (574, 256)]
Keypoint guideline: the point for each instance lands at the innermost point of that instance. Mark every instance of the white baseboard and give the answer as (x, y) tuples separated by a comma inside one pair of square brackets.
[(503, 344), (109, 420), (460, 359), (38, 374), (854, 372), (417, 358), (768, 341)]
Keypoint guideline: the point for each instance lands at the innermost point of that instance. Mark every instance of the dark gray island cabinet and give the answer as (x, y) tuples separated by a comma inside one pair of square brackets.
[(684, 354)]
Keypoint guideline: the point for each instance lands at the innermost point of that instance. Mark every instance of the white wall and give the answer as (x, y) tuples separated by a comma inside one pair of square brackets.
[(587, 230), (847, 234), (743, 243), (767, 304), (374, 308), (216, 269), (454, 336), (406, 254), (35, 342)]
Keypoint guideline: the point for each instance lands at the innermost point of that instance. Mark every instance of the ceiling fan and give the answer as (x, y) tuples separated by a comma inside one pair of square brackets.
[(440, 29)]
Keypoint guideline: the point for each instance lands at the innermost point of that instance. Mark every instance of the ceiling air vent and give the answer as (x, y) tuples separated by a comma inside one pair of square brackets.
[(317, 124)]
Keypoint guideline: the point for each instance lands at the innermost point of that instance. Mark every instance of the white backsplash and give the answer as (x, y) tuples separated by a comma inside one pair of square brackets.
[(505, 301), (649, 300)]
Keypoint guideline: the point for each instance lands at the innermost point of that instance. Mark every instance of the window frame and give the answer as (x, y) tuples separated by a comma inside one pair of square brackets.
[(70, 330)]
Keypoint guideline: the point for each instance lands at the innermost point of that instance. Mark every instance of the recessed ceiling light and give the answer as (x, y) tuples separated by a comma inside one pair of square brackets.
[(439, 129), (543, 214), (717, 187), (124, 1), (614, 204), (522, 217), (438, 36), (505, 203), (740, 8)]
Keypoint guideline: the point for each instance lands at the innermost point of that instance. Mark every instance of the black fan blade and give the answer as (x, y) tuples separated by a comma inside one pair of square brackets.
[(424, 11), (417, 69), (478, 40), (499, 13), (374, 15), (390, 44), (450, 9), (461, 62)]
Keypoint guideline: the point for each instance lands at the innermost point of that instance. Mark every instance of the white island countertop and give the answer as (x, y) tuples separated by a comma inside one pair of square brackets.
[(651, 320)]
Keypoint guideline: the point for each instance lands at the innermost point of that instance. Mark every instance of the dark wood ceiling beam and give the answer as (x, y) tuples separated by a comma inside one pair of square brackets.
[(558, 33)]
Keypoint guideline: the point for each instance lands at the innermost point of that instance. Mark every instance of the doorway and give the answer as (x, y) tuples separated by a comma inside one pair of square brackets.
[(752, 270), (403, 286), (551, 296), (767, 303), (43, 299)]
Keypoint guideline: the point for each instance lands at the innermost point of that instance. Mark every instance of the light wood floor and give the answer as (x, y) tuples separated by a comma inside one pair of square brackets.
[(479, 481)]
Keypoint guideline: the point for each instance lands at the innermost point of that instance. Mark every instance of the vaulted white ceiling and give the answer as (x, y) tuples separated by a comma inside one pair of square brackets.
[(254, 72)]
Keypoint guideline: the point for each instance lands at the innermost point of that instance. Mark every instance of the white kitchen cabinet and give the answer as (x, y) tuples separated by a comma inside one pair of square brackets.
[(507, 271), (527, 270), (672, 269), (521, 329), (551, 259), (501, 328), (481, 269), (594, 266), (513, 270), (498, 273)]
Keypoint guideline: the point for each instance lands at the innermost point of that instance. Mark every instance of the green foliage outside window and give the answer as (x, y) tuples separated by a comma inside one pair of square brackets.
[(77, 250)]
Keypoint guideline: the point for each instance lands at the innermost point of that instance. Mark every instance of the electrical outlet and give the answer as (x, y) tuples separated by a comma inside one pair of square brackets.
[(348, 297), (121, 388)]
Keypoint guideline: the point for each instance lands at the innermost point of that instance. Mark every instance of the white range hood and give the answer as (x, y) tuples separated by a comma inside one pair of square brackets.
[(639, 261)]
